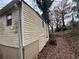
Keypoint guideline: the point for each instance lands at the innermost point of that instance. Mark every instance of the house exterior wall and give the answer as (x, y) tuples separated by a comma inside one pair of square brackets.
[(9, 41), (8, 37), (31, 50), (34, 34), (8, 52)]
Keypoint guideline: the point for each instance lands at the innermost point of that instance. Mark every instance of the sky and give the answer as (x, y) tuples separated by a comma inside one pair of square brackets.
[(56, 2), (34, 5), (4, 2), (30, 2)]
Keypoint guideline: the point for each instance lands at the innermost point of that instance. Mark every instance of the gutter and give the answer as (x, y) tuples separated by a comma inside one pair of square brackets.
[(21, 48)]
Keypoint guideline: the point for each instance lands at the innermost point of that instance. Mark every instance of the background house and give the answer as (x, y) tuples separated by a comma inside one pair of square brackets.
[(21, 27)]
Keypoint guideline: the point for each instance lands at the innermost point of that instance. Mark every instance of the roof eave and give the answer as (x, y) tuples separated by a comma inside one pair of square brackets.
[(9, 6)]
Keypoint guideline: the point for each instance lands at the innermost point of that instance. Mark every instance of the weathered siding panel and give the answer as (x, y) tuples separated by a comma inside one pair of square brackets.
[(31, 50), (7, 35), (33, 29), (9, 52)]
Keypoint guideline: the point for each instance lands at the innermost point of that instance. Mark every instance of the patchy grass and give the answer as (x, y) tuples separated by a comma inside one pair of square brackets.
[(73, 35), (62, 33), (73, 39)]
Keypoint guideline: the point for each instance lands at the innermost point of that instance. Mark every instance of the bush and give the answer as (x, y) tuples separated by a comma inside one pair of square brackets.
[(52, 39)]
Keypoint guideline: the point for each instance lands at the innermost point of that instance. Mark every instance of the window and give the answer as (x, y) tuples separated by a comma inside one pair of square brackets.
[(43, 24), (9, 20)]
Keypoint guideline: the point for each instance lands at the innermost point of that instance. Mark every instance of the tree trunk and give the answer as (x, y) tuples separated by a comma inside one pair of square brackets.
[(45, 16), (63, 20), (52, 29), (57, 29), (63, 26)]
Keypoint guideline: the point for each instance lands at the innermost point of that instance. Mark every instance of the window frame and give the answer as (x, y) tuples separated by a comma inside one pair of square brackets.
[(9, 21)]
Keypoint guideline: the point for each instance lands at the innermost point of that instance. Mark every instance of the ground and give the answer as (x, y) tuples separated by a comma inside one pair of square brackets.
[(60, 51), (67, 46)]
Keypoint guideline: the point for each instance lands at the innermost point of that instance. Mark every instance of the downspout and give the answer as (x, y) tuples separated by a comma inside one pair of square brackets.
[(21, 49)]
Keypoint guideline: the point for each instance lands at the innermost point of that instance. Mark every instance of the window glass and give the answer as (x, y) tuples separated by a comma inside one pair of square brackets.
[(9, 20)]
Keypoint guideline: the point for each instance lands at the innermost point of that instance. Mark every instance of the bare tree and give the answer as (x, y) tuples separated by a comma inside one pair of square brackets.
[(59, 13), (63, 9), (55, 19)]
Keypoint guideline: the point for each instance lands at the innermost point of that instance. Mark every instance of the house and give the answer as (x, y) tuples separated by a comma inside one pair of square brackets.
[(23, 33)]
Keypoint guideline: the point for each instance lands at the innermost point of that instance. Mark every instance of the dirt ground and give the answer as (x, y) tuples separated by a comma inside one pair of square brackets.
[(60, 51)]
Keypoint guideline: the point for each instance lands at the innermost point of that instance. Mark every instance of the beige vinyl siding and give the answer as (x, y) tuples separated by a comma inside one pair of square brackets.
[(31, 50), (33, 29), (7, 35), (44, 38), (9, 52)]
